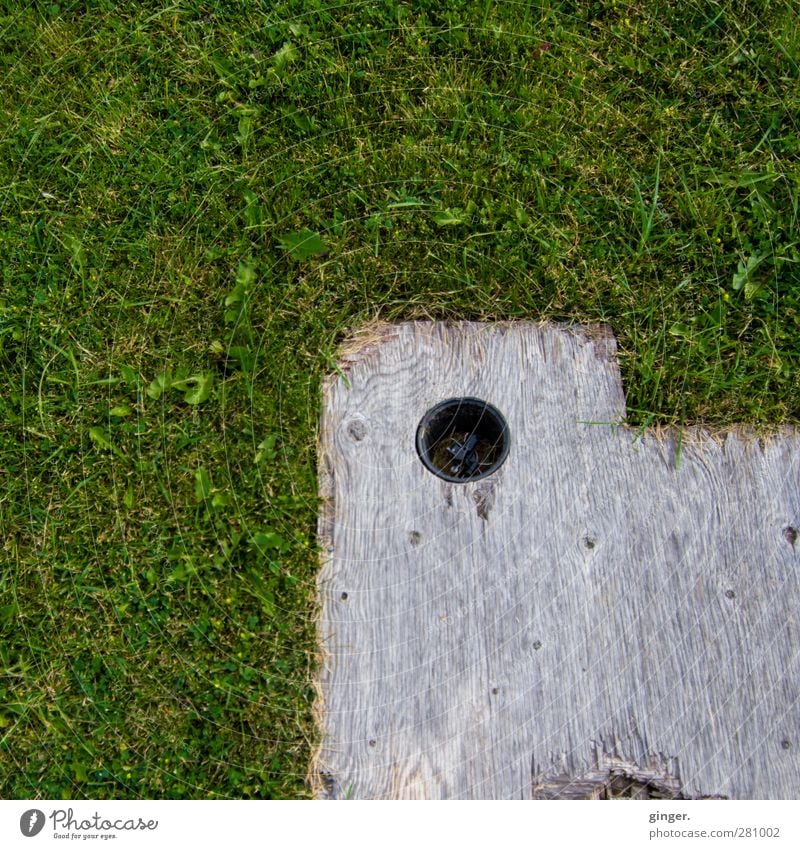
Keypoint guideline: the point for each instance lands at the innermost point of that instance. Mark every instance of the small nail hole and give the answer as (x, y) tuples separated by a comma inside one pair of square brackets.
[(373, 743), (730, 594), (344, 596), (785, 744), (790, 535), (537, 645), (589, 542), (414, 537), (495, 690)]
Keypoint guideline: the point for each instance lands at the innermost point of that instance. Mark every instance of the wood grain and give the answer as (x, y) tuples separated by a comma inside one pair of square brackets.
[(593, 612)]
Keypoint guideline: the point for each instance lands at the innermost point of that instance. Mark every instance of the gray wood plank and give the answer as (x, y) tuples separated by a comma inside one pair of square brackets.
[(594, 619)]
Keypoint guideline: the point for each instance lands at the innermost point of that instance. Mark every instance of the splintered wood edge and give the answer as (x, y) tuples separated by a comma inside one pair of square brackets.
[(364, 339), (315, 776), (356, 346)]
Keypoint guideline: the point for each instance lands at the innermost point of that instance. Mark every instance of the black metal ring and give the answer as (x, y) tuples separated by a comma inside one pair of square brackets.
[(463, 439)]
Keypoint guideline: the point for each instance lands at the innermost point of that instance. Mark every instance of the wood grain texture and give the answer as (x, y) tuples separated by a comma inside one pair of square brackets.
[(592, 612)]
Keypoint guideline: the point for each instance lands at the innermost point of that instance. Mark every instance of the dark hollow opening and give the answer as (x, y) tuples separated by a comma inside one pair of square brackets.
[(463, 439)]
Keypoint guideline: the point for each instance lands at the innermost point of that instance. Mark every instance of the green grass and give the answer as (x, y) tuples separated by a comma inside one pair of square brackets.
[(200, 199)]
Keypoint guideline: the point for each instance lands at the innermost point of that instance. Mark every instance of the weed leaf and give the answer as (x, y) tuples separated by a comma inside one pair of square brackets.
[(101, 439), (198, 387), (744, 275), (129, 375), (266, 450), (285, 56), (245, 129), (252, 210), (8, 612), (159, 385), (449, 217), (303, 244), (225, 71), (220, 499), (680, 330), (202, 485), (77, 252), (264, 540), (235, 296), (245, 275)]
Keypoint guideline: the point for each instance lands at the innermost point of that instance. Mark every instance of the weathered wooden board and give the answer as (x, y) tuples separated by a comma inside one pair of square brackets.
[(592, 615)]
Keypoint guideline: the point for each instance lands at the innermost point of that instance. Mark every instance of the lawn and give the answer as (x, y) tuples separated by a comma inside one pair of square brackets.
[(199, 200)]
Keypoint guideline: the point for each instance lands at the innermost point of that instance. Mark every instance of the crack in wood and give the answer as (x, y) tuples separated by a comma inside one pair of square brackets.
[(613, 777), (483, 496)]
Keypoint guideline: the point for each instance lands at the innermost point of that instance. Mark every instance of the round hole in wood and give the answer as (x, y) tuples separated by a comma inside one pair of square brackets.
[(463, 439)]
